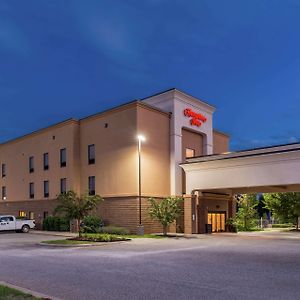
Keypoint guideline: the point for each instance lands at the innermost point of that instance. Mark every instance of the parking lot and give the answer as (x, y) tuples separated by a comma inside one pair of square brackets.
[(220, 266)]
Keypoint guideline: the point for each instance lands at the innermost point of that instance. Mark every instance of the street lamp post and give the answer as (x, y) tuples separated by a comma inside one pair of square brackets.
[(141, 139)]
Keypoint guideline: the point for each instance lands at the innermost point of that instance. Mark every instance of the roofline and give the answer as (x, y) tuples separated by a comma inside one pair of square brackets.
[(70, 120), (38, 131), (221, 132), (222, 157), (122, 106), (183, 93)]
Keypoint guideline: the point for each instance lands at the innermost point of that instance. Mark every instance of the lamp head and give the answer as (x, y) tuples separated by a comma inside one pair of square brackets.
[(141, 138)]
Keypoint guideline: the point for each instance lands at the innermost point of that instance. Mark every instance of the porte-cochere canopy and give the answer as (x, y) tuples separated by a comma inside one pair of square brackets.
[(269, 169)]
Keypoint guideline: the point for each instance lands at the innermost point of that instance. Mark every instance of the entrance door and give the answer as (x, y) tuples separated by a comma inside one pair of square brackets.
[(217, 221)]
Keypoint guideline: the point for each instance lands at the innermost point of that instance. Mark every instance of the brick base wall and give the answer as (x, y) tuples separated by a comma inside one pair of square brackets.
[(114, 211)]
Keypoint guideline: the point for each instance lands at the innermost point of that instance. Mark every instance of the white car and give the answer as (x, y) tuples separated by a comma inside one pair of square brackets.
[(11, 223)]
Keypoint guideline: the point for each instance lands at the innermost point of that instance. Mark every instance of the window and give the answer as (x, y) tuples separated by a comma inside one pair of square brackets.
[(63, 157), (3, 170), (31, 215), (46, 161), (91, 154), (63, 185), (189, 153), (4, 193), (31, 190), (91, 185), (46, 214), (22, 214), (31, 164), (46, 189)]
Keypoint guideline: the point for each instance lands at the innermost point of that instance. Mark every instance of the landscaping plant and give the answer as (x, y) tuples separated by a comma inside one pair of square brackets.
[(246, 217), (165, 211), (77, 207), (284, 206)]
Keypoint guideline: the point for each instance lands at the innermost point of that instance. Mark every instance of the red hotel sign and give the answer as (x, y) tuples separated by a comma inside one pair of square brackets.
[(196, 119)]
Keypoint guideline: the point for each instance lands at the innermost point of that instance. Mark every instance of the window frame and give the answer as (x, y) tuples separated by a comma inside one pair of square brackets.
[(46, 161), (91, 158), (61, 185), (46, 187), (3, 193), (92, 181), (189, 149), (31, 164), (63, 160), (3, 170), (31, 190)]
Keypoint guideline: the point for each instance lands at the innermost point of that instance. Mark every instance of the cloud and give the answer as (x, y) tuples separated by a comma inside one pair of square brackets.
[(244, 143)]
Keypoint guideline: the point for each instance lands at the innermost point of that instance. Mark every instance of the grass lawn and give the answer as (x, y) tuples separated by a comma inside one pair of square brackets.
[(7, 293), (130, 236)]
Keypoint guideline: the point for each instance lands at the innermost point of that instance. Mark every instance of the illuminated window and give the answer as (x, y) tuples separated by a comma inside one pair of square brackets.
[(91, 185), (22, 214), (189, 153), (31, 215)]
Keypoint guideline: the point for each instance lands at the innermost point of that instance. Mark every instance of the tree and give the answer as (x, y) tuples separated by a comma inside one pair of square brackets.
[(245, 216), (165, 211), (77, 207), (285, 206)]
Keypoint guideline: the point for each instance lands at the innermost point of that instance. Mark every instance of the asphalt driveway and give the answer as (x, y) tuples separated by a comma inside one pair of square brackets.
[(248, 266)]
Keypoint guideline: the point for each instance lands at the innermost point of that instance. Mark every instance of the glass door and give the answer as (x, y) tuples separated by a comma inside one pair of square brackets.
[(217, 221)]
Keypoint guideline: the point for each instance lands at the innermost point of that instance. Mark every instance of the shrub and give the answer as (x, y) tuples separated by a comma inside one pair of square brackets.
[(100, 237), (54, 223), (114, 230), (91, 224)]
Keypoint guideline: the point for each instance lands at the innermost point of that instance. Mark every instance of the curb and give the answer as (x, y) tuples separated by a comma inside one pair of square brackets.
[(54, 233), (82, 245), (27, 291)]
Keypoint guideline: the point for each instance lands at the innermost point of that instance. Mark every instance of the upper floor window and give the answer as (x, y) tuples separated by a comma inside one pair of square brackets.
[(92, 185), (91, 154), (46, 189), (4, 193), (189, 153), (63, 185), (31, 190), (63, 157), (31, 164), (3, 170), (46, 161)]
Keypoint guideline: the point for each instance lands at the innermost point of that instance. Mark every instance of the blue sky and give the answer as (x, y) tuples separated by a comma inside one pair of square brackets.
[(62, 59)]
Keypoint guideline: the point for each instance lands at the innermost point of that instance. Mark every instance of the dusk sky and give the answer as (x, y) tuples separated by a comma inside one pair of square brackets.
[(62, 59)]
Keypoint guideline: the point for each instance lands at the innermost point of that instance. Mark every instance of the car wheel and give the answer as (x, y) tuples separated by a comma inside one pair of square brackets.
[(25, 229)]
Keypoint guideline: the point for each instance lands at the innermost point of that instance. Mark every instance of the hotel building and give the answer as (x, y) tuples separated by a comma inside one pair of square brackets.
[(99, 155)]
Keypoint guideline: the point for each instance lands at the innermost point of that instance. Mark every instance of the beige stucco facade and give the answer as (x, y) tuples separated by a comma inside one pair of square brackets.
[(113, 134)]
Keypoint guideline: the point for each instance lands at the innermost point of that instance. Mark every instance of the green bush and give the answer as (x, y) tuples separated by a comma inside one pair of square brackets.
[(54, 223), (91, 224), (114, 230)]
